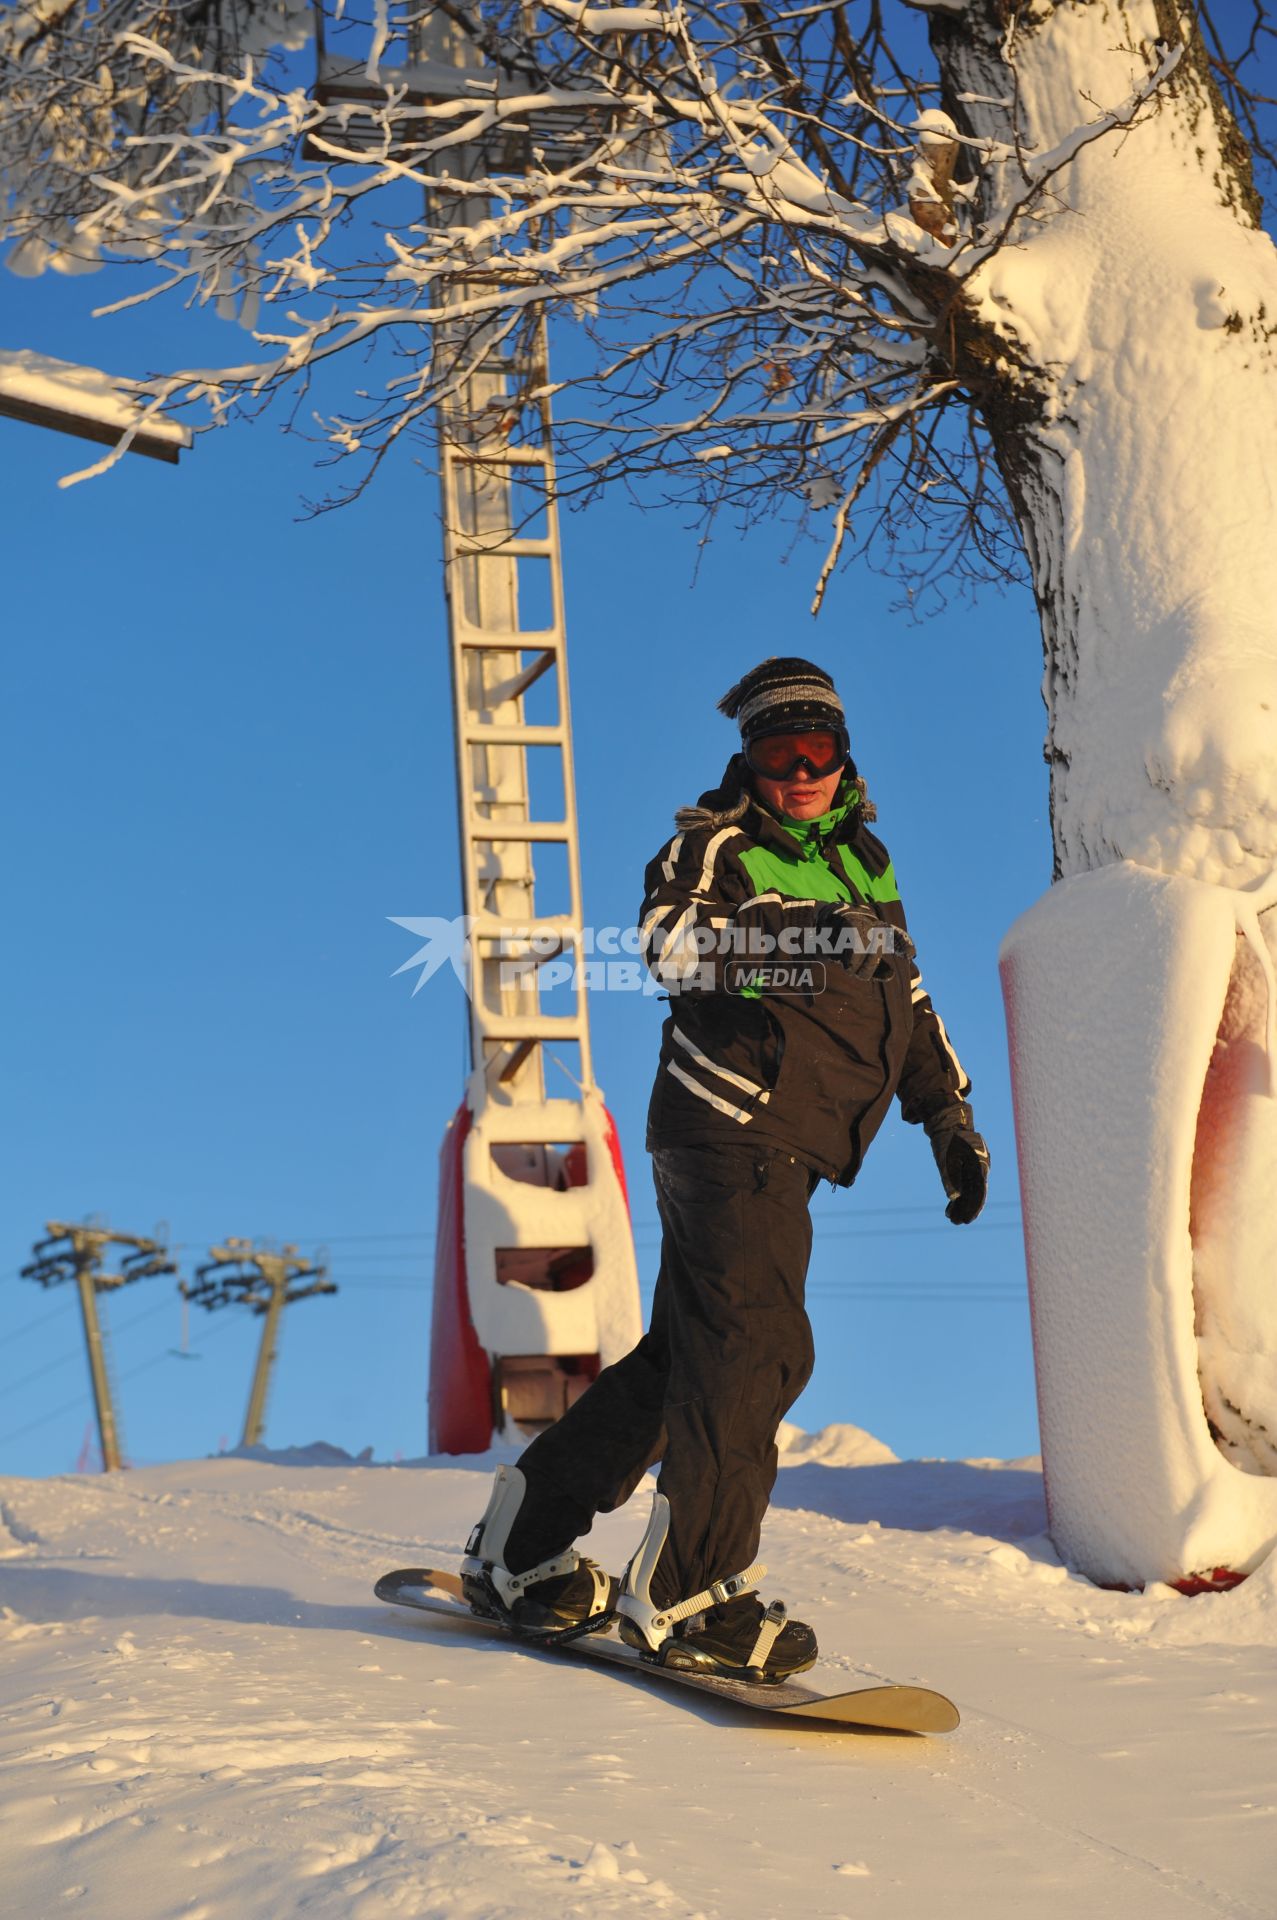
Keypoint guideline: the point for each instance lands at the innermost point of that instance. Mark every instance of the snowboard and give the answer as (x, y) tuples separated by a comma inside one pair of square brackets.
[(890, 1709)]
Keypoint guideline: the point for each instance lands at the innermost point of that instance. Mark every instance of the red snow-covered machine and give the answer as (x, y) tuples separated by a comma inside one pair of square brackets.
[(535, 1281), (535, 1286)]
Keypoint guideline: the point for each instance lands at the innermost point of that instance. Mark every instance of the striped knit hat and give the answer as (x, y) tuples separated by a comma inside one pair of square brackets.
[(783, 695)]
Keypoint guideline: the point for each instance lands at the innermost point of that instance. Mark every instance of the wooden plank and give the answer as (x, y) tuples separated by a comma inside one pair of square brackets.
[(153, 446)]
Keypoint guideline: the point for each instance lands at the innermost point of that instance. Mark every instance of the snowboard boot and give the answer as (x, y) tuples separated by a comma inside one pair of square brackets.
[(724, 1631), (560, 1599), (743, 1640)]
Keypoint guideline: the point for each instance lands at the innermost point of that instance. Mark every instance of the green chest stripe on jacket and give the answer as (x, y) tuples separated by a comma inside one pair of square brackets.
[(871, 886), (809, 876), (806, 877)]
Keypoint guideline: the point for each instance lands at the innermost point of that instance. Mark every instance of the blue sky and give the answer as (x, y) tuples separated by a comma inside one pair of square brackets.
[(228, 762)]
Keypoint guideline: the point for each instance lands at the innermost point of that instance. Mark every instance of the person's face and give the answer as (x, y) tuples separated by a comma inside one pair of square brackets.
[(800, 797)]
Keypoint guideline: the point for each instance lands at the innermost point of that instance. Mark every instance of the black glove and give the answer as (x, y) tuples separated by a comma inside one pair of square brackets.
[(963, 1160), (863, 943)]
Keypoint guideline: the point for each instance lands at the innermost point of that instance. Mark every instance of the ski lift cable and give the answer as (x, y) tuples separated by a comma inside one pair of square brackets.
[(82, 1399), (69, 1406), (822, 1238), (428, 1233), (66, 1359), (955, 1291), (843, 1229), (54, 1313), (843, 1226), (416, 1272)]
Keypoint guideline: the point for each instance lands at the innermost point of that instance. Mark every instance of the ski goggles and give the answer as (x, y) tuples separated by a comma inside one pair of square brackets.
[(778, 756)]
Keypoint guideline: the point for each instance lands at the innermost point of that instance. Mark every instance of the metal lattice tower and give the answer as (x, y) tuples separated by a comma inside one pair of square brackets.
[(496, 477), (535, 1280), (77, 1253), (241, 1274)]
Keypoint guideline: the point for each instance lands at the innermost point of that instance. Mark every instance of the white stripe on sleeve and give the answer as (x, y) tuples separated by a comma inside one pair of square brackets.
[(711, 855), (964, 1085), (678, 956)]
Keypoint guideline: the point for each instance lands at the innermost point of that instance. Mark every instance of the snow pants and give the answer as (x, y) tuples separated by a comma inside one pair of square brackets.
[(728, 1351)]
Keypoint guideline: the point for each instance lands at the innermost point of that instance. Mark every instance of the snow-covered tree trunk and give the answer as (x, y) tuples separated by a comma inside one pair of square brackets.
[(1128, 325)]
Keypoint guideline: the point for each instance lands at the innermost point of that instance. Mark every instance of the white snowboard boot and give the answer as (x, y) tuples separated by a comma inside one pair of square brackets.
[(557, 1600)]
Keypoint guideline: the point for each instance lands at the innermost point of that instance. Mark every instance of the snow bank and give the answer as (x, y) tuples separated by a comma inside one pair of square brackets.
[(840, 1445), (204, 1713), (1115, 985), (319, 1453)]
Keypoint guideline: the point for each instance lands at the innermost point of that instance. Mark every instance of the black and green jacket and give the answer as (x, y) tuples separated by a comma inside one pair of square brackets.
[(808, 1061)]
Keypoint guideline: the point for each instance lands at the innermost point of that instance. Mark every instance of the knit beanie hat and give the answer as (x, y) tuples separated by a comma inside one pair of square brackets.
[(783, 695)]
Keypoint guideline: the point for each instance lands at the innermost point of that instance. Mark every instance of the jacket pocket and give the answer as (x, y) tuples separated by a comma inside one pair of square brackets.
[(737, 1095)]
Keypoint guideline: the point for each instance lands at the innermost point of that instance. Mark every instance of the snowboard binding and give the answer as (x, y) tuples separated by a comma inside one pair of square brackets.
[(559, 1599), (724, 1632)]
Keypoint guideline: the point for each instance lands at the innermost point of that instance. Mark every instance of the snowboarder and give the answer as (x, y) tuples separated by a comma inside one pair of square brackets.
[(773, 920)]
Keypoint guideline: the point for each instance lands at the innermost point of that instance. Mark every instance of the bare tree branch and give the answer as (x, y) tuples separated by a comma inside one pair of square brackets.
[(751, 227)]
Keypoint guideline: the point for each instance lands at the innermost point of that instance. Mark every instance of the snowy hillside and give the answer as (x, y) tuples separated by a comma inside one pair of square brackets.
[(205, 1714)]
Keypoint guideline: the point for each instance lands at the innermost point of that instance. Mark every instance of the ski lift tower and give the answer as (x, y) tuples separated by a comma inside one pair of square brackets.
[(535, 1279)]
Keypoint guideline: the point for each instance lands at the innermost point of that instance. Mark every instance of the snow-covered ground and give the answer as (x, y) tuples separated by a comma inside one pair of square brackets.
[(204, 1713)]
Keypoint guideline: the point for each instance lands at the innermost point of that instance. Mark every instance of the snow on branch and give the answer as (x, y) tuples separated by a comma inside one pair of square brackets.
[(432, 191), (599, 20)]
